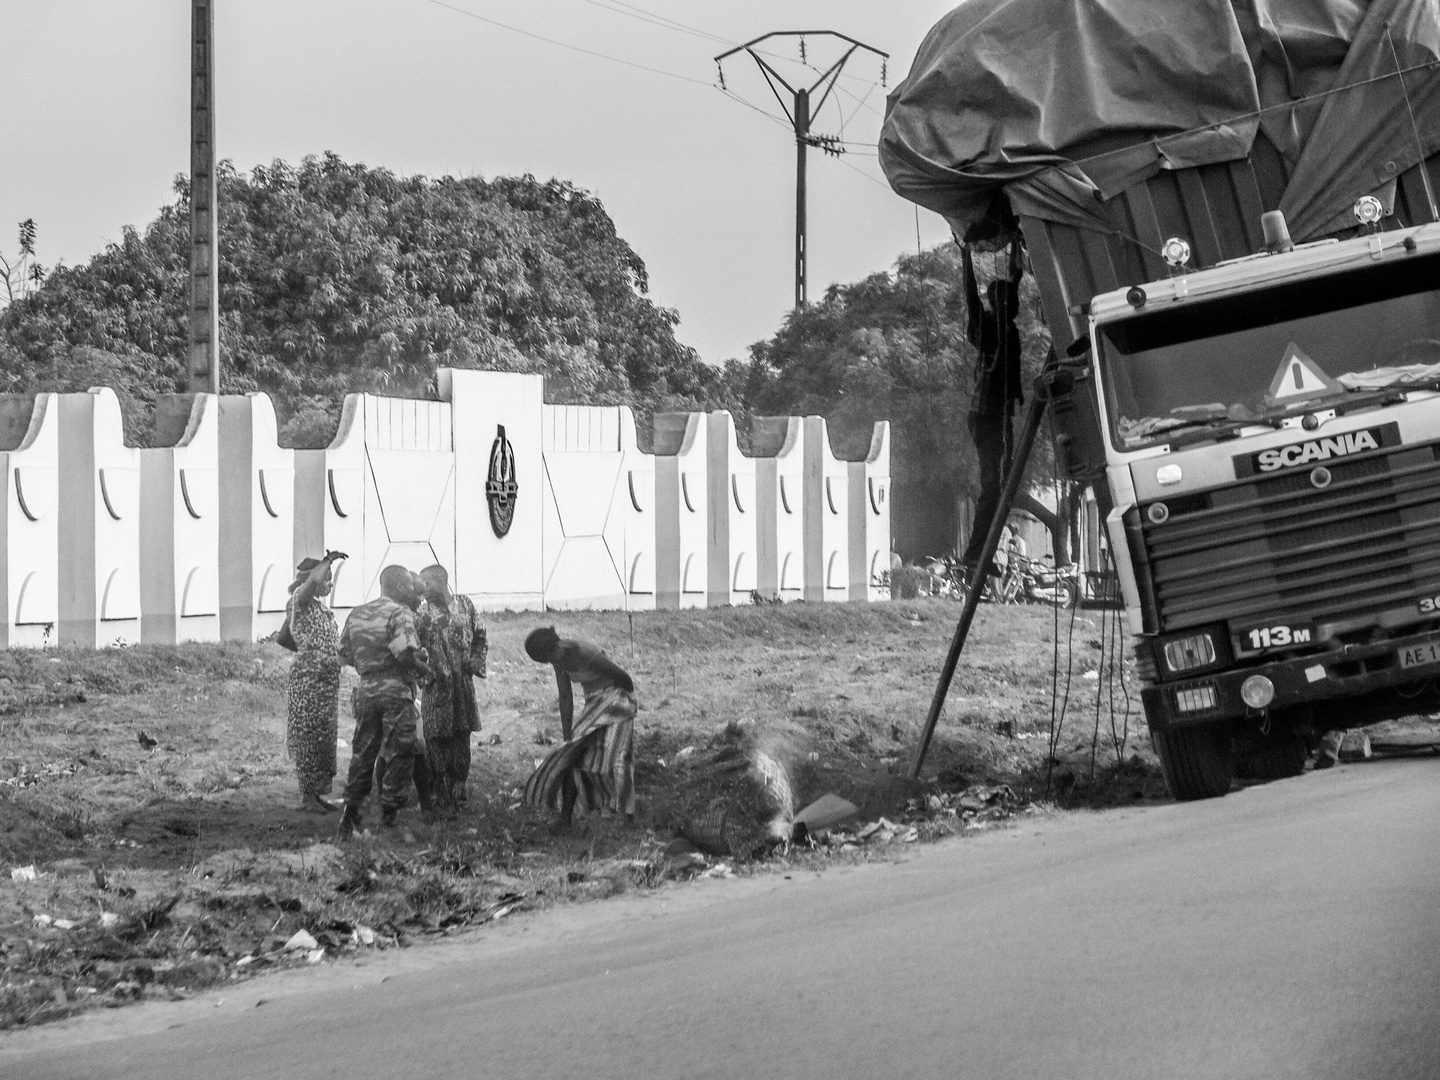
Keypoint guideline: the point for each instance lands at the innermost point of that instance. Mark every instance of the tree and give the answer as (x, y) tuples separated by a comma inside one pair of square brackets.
[(335, 277), (893, 346), (22, 274)]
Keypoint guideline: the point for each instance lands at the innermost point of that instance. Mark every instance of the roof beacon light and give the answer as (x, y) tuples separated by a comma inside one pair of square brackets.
[(1369, 210), (1176, 251), (1277, 233)]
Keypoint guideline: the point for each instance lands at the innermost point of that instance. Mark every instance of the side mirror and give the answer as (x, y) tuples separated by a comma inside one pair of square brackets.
[(1055, 384)]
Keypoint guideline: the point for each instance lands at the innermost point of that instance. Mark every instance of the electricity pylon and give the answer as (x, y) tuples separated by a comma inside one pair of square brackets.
[(799, 112)]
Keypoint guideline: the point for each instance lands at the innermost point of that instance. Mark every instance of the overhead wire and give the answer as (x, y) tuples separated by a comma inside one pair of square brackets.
[(641, 15), (862, 172), (566, 45), (753, 108), (633, 11), (665, 22)]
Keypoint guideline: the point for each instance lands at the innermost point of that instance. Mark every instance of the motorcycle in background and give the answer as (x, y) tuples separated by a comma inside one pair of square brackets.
[(1040, 582)]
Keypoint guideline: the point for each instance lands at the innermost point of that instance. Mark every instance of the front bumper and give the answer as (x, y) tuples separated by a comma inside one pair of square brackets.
[(1350, 671)]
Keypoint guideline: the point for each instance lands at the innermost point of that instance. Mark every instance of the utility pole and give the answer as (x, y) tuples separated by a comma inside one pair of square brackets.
[(799, 111), (204, 292)]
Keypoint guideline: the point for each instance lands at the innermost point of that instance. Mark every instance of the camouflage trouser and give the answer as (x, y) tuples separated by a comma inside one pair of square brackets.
[(385, 719)]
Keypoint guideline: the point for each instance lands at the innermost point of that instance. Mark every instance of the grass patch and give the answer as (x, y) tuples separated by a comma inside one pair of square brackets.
[(150, 789)]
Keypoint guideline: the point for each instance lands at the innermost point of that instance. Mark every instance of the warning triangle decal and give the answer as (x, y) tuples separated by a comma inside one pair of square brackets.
[(1298, 378)]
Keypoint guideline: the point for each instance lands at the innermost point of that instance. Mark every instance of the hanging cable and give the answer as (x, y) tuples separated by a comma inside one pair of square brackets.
[(566, 44)]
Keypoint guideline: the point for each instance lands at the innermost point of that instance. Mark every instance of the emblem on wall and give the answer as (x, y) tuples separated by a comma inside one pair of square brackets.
[(500, 485)]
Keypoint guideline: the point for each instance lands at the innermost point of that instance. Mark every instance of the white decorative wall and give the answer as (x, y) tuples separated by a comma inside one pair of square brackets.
[(180, 523), (388, 492), (870, 517), (99, 523), (29, 571), (682, 540), (826, 517), (734, 531), (583, 526), (778, 445), (528, 505), (508, 571), (257, 519), (635, 507)]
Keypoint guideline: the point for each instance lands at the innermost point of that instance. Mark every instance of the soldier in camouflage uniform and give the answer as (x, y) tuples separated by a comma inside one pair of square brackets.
[(380, 642)]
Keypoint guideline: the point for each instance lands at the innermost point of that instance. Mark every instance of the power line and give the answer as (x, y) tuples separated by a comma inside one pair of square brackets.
[(866, 175), (753, 108), (630, 10), (566, 44), (665, 22)]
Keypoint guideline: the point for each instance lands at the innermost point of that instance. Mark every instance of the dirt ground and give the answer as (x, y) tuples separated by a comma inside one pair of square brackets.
[(149, 821)]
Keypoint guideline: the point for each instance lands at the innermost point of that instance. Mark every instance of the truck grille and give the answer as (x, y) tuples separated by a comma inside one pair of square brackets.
[(1277, 549)]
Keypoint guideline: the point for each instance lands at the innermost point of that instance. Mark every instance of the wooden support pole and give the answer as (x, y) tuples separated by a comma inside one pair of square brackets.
[(204, 298), (1050, 385)]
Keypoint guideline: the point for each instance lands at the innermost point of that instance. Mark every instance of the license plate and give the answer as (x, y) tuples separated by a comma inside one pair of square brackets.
[(1418, 655)]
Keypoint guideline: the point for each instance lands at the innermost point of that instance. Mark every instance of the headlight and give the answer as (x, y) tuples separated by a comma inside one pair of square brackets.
[(1182, 654), (1193, 699), (1257, 691)]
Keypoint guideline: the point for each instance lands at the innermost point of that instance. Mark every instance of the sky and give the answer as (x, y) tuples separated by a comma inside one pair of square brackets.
[(701, 183)]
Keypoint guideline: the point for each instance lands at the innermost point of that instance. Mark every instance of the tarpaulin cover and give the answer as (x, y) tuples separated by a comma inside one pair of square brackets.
[(1062, 104)]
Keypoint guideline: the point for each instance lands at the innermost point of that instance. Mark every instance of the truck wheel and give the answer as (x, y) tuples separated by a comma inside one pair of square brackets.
[(1198, 762), (1279, 757)]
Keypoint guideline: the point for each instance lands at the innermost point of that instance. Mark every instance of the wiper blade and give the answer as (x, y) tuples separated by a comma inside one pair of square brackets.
[(1218, 428)]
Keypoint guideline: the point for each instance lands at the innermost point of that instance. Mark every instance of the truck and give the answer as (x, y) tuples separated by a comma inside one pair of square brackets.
[(1229, 209)]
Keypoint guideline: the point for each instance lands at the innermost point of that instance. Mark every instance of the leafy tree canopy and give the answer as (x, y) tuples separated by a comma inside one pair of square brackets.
[(892, 346), (335, 277)]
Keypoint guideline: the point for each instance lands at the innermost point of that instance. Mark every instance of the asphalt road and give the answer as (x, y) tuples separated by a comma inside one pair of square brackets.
[(1288, 930)]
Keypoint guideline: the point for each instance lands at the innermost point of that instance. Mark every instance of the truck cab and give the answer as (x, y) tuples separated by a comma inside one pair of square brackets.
[(1271, 430)]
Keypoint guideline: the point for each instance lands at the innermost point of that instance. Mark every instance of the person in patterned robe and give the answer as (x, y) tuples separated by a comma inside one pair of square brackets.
[(380, 642), (312, 701), (451, 632), (594, 768)]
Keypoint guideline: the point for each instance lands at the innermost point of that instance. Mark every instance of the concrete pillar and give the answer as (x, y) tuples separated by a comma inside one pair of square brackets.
[(732, 526), (778, 446), (99, 523), (29, 570), (826, 517), (180, 523), (634, 515), (681, 511), (869, 517), (257, 518)]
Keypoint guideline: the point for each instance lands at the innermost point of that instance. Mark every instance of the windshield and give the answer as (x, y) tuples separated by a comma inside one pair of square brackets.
[(1266, 353)]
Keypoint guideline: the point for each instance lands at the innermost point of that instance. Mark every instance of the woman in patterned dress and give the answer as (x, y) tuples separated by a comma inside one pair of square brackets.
[(594, 768), (313, 700), (452, 634)]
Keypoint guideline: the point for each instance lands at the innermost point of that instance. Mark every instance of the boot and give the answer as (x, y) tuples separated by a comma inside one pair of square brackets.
[(349, 821), (387, 817)]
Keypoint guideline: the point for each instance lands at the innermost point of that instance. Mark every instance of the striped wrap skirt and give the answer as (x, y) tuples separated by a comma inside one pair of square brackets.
[(599, 759)]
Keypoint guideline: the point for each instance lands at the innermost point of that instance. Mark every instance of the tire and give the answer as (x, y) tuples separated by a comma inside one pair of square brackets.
[(1198, 762), (1279, 757), (1068, 595)]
